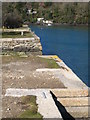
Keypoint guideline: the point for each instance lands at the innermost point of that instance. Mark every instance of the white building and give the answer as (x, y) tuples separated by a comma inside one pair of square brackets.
[(29, 11), (40, 19), (48, 22), (34, 12)]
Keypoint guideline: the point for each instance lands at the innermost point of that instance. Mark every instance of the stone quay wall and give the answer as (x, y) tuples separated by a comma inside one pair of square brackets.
[(22, 44)]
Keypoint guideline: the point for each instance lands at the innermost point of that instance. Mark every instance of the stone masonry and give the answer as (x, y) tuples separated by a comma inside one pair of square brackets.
[(21, 44), (31, 44)]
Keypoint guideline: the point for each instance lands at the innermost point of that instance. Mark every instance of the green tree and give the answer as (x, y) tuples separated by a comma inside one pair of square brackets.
[(13, 21), (47, 4)]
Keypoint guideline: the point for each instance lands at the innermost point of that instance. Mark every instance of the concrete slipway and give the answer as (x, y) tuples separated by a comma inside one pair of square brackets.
[(74, 97)]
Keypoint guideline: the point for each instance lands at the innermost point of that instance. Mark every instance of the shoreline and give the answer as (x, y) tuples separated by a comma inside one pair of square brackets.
[(59, 24)]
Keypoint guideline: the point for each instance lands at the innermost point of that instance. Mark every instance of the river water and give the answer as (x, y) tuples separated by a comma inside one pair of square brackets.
[(70, 43)]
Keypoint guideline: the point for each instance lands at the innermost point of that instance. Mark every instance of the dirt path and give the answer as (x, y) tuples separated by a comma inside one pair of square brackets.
[(23, 74)]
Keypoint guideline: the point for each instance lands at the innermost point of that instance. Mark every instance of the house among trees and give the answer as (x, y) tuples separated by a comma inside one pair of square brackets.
[(31, 11), (44, 22), (40, 20), (47, 22)]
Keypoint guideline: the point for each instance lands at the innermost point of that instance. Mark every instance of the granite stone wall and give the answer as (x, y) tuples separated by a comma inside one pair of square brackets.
[(21, 44)]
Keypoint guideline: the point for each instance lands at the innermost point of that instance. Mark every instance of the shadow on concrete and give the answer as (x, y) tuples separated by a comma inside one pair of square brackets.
[(62, 110)]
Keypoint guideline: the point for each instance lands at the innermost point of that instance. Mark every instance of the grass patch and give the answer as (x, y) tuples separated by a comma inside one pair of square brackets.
[(12, 53), (31, 110), (8, 56), (16, 56), (16, 35), (21, 56), (29, 99), (30, 114), (49, 62)]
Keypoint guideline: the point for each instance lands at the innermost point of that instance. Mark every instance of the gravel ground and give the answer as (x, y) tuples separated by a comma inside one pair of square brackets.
[(12, 108), (22, 74)]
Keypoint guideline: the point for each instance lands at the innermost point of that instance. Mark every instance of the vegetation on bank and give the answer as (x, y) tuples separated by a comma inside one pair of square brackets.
[(16, 35), (63, 13)]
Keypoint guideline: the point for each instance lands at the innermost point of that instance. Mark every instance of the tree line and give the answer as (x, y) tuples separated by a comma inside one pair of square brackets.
[(14, 14)]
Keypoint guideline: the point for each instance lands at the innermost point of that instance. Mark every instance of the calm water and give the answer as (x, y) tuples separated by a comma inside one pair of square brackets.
[(69, 43)]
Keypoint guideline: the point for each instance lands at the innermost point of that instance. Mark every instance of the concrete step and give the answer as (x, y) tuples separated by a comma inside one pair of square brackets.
[(76, 112), (72, 103), (79, 101), (70, 92)]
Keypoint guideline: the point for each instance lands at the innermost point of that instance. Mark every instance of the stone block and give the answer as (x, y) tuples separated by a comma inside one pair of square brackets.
[(80, 101), (70, 92)]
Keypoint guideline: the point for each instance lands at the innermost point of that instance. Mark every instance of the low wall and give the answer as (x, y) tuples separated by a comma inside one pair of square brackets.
[(22, 44)]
